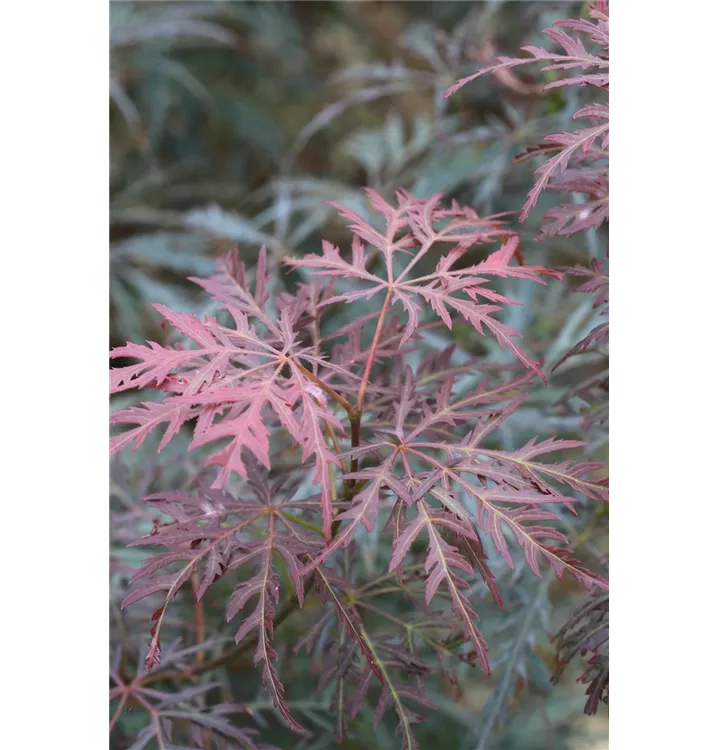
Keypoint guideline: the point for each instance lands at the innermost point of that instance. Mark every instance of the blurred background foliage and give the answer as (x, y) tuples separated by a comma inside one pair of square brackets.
[(233, 123)]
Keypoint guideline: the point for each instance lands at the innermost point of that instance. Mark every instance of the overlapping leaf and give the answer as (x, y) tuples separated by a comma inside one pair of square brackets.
[(182, 715), (597, 285), (430, 476), (587, 144), (586, 631), (212, 533), (233, 382), (415, 227), (420, 446)]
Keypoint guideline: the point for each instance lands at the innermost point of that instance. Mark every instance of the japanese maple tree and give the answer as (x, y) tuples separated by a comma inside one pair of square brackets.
[(313, 437), (380, 440)]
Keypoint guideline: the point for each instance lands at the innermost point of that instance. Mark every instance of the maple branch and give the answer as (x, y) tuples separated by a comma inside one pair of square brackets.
[(327, 389), (337, 449), (356, 433), (372, 354), (199, 616), (355, 415)]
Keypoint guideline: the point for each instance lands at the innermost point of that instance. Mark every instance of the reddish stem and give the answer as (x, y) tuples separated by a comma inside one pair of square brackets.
[(198, 617), (372, 353)]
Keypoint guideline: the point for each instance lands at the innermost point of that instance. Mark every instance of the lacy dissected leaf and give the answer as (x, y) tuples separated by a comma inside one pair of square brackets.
[(442, 562), (509, 490), (389, 656), (588, 144), (473, 551), (181, 718), (346, 613), (149, 417), (414, 227), (396, 666), (265, 586), (233, 383), (517, 480), (281, 535), (357, 658), (536, 474), (597, 285), (336, 637), (595, 675), (196, 540), (202, 723), (212, 532), (586, 631), (575, 53), (421, 636), (569, 218), (230, 287), (577, 144)]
